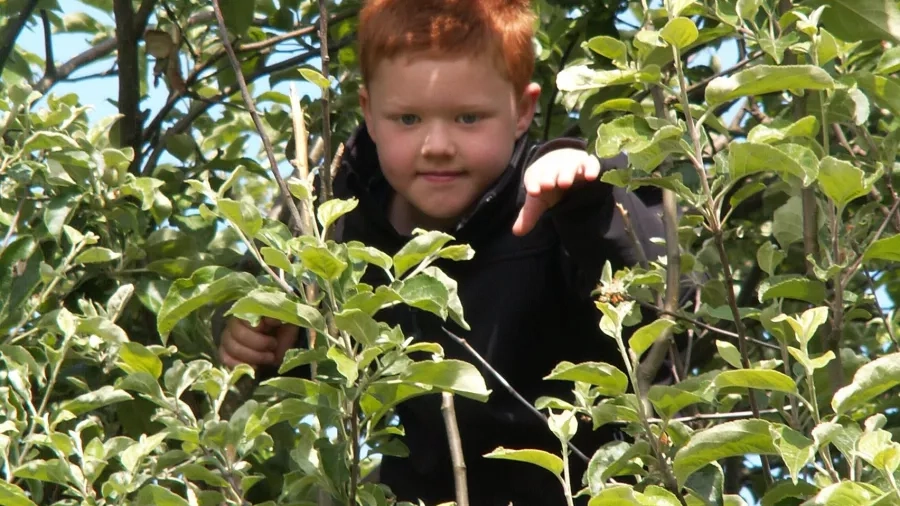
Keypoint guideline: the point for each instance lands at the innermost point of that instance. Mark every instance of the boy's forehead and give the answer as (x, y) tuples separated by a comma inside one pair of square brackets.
[(434, 66)]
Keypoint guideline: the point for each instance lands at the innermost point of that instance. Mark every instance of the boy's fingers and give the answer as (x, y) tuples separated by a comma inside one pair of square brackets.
[(253, 339), (529, 214), (591, 168), (285, 337), (567, 176), (243, 354)]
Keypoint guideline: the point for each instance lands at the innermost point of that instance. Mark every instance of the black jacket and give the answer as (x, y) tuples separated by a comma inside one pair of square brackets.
[(527, 300)]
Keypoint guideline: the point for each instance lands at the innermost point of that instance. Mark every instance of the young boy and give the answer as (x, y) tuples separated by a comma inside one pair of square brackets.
[(447, 104)]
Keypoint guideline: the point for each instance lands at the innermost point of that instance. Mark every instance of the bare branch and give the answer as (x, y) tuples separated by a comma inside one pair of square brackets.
[(248, 100), (129, 94), (14, 223), (13, 31), (888, 324), (327, 191), (49, 62), (101, 50), (448, 409), (499, 377)]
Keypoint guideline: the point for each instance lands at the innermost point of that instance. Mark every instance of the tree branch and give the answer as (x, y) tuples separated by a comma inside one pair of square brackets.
[(49, 62), (129, 124), (456, 454), (13, 32), (251, 107), (327, 191), (499, 377)]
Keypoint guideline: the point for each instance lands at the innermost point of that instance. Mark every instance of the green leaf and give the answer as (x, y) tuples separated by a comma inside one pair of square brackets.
[(563, 425), (358, 324), (680, 32), (323, 262), (603, 459), (756, 378), (805, 327), (50, 471), (792, 287), (764, 79), (846, 493), (133, 455), (96, 255), (676, 7), (768, 134), (669, 400), (103, 396), (884, 249), (425, 292), (769, 257), (848, 106), (345, 365), (788, 223), (264, 302), (795, 449), (418, 249), (787, 489), (730, 354), (889, 62), (870, 380), (457, 252), (454, 304), (331, 211), (362, 253), (238, 15), (539, 458), (729, 439), (135, 357), (610, 47), (843, 182), (243, 215), (582, 77), (608, 378), (11, 495), (315, 77), (746, 158), (154, 494), (448, 375), (208, 285), (644, 337), (854, 20)]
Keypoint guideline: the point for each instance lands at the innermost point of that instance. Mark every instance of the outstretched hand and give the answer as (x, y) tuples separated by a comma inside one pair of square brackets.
[(264, 344), (547, 179)]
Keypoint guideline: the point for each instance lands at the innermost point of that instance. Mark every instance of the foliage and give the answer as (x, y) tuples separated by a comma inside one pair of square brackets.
[(121, 236)]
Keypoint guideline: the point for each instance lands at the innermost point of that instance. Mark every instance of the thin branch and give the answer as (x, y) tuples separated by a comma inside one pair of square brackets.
[(629, 229), (101, 50), (730, 70), (706, 326), (14, 224), (649, 366), (737, 415), (14, 30), (448, 409), (49, 62), (499, 377), (354, 444), (859, 257), (888, 324), (327, 191), (548, 118), (251, 107)]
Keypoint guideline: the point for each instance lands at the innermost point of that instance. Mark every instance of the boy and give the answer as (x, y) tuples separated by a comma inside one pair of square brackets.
[(447, 103)]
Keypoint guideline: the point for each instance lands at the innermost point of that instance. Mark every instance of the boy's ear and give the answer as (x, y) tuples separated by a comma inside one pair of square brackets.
[(527, 107), (364, 104)]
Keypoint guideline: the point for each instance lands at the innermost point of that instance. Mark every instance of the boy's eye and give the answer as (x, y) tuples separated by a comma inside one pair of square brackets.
[(467, 119), (408, 119)]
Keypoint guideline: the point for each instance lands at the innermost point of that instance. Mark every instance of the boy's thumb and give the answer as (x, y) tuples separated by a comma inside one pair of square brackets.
[(285, 339), (528, 217)]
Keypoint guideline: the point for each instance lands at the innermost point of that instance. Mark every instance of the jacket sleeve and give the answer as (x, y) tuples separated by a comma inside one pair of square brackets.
[(591, 227)]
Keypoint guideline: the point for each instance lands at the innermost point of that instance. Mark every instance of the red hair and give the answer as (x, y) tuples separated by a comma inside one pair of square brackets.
[(502, 29)]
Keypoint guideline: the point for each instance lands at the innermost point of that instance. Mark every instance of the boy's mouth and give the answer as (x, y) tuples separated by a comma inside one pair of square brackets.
[(441, 176)]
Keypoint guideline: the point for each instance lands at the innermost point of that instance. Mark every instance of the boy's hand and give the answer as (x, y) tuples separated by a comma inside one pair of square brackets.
[(264, 344), (548, 178)]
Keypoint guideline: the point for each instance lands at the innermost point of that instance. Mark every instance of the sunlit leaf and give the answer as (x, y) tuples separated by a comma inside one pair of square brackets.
[(763, 79), (608, 378), (756, 378), (539, 458), (720, 441), (872, 379)]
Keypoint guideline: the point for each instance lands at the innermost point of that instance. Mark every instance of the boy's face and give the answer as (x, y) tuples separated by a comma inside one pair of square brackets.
[(445, 130)]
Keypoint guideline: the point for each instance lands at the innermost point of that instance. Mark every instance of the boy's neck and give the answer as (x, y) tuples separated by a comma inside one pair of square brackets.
[(405, 218)]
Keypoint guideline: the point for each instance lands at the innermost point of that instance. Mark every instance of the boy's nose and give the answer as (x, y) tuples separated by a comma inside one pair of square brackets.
[(438, 143)]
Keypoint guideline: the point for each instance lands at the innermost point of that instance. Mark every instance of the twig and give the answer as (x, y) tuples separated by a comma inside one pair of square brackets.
[(327, 191), (635, 241), (859, 257), (251, 107), (706, 326), (548, 118), (889, 325), (49, 63), (649, 366), (730, 70), (354, 444), (448, 409), (499, 377), (15, 222), (14, 30), (737, 415), (719, 239)]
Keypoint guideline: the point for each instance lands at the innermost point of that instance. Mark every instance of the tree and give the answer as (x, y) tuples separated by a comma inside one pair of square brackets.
[(120, 236)]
